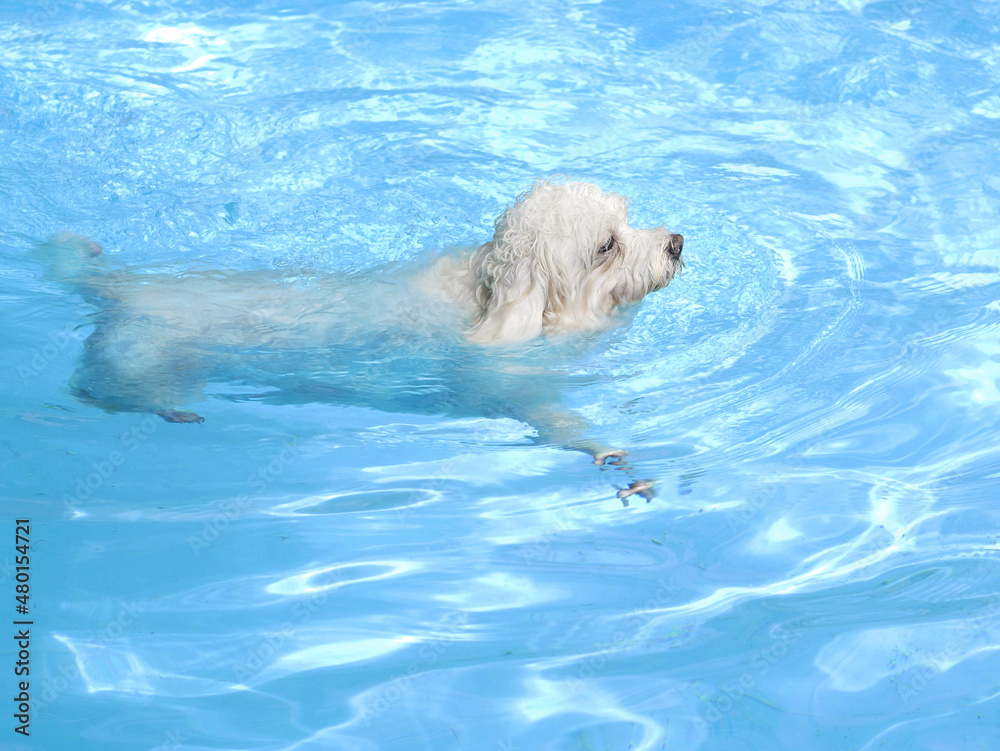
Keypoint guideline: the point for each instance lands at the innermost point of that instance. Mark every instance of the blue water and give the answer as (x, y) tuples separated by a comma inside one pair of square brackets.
[(817, 396)]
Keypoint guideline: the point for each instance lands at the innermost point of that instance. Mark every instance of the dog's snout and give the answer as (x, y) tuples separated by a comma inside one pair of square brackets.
[(675, 245)]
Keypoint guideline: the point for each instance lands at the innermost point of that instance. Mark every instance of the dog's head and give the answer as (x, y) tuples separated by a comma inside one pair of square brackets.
[(563, 258)]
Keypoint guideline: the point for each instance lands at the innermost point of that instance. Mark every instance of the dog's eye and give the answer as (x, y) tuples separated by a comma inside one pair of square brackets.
[(606, 248)]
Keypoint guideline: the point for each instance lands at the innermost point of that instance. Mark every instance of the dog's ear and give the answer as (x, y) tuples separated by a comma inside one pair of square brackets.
[(510, 294)]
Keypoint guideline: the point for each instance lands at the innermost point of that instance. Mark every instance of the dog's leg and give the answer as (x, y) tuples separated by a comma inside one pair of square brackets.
[(126, 367), (566, 428), (569, 429), (602, 454), (174, 415)]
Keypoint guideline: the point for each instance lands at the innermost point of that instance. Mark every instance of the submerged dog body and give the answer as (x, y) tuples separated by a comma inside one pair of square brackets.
[(457, 335)]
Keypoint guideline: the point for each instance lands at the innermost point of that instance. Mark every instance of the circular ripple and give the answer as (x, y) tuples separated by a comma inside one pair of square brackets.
[(364, 501)]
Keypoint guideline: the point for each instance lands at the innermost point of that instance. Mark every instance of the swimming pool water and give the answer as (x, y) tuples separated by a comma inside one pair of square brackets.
[(816, 396)]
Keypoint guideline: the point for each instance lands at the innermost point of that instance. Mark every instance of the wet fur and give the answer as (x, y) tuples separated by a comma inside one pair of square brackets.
[(455, 335)]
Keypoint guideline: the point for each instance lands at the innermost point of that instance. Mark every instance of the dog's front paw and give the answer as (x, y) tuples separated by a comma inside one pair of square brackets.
[(642, 488), (617, 457), (175, 415)]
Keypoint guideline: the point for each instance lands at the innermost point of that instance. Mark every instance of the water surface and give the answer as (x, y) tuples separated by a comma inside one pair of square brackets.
[(817, 395)]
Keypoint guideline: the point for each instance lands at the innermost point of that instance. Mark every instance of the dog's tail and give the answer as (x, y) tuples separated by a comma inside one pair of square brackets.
[(71, 259)]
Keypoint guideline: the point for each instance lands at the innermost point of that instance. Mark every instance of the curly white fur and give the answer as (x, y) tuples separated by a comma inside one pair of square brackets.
[(562, 259)]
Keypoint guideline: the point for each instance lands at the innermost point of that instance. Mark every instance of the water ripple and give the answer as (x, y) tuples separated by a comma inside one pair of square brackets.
[(815, 397)]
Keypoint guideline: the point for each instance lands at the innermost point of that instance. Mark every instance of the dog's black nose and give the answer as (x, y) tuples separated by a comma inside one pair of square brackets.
[(675, 245)]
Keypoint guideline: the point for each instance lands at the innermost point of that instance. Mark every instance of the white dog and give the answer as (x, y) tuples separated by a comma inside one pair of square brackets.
[(453, 336)]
